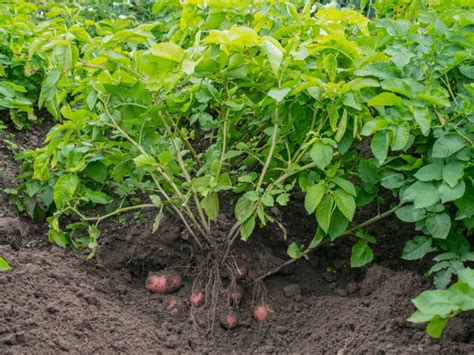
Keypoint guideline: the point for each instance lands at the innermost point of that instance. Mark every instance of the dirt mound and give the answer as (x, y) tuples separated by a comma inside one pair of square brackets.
[(53, 301)]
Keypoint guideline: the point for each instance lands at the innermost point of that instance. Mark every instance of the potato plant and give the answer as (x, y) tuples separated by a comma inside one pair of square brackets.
[(255, 99)]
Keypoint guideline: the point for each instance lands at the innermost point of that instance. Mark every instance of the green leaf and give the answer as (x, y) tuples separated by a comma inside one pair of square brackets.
[(295, 251), (417, 248), (452, 173), (274, 55), (443, 278), (345, 203), (59, 238), (267, 200), (210, 204), (314, 195), (392, 180), (423, 194), (97, 171), (283, 199), (385, 99), (423, 119), (98, 197), (168, 50), (435, 326), (435, 303), (420, 317), (49, 87), (436, 95), (278, 95), (379, 146), (401, 138), (321, 154), (362, 254), (247, 228), (448, 194), (467, 276), (40, 167), (430, 172), (324, 212), (439, 225), (410, 214), (252, 196), (144, 160), (346, 185), (4, 266), (398, 86), (338, 225), (64, 189), (244, 208), (368, 172), (447, 145)]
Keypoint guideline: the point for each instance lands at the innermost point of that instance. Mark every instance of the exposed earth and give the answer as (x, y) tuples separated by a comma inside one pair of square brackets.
[(54, 301)]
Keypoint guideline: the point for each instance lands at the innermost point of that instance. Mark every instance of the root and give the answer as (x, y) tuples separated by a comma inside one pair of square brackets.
[(208, 280), (215, 281)]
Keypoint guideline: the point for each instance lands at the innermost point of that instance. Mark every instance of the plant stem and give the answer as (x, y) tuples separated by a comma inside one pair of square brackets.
[(272, 149), (188, 144), (186, 175), (116, 212), (347, 232), (224, 145), (232, 237), (167, 178), (302, 149), (373, 220)]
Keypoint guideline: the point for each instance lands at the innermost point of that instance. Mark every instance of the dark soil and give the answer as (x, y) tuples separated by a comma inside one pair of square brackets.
[(53, 301)]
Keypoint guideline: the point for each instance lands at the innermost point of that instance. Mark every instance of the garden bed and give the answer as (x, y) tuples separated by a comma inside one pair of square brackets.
[(54, 301)]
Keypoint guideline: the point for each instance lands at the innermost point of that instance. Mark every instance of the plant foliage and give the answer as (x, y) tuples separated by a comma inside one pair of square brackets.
[(258, 99)]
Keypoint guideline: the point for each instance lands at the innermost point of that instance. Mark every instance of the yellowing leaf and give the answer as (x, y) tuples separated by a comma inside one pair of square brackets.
[(168, 50), (385, 99), (274, 54), (237, 37), (64, 189)]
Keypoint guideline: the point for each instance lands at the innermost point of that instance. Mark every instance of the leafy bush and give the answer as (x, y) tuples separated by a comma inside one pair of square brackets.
[(260, 99)]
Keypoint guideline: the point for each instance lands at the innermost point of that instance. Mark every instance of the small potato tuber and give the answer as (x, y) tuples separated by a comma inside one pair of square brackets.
[(197, 299), (229, 320), (262, 312), (236, 294)]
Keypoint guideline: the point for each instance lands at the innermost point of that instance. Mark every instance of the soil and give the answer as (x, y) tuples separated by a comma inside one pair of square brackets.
[(54, 301)]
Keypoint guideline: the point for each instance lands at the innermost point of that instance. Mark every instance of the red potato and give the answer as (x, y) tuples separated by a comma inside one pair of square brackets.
[(241, 272), (197, 299), (229, 320), (165, 282), (176, 281), (262, 312), (236, 294)]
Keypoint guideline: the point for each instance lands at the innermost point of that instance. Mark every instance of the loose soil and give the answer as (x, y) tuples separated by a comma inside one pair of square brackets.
[(53, 301)]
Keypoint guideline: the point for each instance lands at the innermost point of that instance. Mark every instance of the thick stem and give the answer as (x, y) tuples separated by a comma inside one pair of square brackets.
[(231, 237)]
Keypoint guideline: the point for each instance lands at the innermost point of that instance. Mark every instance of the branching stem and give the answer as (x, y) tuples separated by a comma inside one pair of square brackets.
[(349, 231)]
